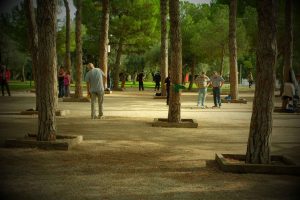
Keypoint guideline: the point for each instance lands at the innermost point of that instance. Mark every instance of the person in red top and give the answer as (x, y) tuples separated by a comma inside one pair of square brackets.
[(4, 78), (67, 81)]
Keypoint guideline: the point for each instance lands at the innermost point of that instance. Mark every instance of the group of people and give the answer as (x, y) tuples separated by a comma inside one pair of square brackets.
[(64, 81), (95, 88), (203, 81)]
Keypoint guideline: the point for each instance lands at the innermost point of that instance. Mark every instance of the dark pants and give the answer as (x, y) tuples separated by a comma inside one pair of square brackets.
[(250, 83), (5, 83), (157, 86), (168, 95), (61, 89), (141, 85), (216, 95)]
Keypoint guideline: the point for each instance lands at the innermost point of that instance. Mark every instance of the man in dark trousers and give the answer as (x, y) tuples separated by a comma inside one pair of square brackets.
[(157, 79), (168, 84), (4, 78), (140, 79)]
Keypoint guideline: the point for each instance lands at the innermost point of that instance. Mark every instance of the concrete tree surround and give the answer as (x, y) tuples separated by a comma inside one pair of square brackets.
[(62, 142), (185, 123), (235, 163)]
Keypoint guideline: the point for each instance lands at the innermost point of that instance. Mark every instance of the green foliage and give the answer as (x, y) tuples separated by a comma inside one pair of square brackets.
[(134, 64), (137, 22), (13, 40), (205, 35), (61, 41), (91, 14)]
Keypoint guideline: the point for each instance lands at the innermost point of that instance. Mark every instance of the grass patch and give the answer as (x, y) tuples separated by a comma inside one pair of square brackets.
[(28, 85)]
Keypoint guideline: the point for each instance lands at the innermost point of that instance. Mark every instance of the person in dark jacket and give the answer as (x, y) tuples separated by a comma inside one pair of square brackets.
[(157, 79), (4, 78), (168, 84), (140, 79)]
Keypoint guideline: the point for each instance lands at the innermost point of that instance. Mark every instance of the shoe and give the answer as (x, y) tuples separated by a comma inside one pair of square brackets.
[(214, 106), (100, 117)]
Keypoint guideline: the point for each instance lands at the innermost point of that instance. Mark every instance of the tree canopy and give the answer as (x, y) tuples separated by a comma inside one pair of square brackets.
[(204, 35)]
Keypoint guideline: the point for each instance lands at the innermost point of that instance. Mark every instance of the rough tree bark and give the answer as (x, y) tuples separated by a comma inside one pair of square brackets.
[(23, 73), (68, 33), (33, 44), (174, 114), (288, 53), (259, 142), (233, 50), (47, 70), (104, 39), (117, 64), (222, 60), (78, 83), (164, 45)]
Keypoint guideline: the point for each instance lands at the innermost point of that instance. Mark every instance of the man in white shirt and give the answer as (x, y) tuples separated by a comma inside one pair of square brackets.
[(95, 88)]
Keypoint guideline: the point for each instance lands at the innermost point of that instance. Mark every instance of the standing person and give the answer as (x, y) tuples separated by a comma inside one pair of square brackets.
[(61, 87), (67, 82), (140, 79), (168, 84), (123, 80), (217, 82), (4, 78), (95, 88), (250, 79), (288, 95), (157, 79), (202, 82)]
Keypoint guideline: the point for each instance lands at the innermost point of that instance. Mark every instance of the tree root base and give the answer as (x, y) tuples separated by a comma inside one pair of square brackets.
[(62, 142), (235, 163), (185, 123)]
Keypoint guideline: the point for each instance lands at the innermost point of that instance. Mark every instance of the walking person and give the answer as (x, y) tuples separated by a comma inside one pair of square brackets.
[(4, 78), (217, 82), (67, 82), (61, 86), (95, 88), (140, 79), (250, 79), (157, 79), (202, 81), (168, 84)]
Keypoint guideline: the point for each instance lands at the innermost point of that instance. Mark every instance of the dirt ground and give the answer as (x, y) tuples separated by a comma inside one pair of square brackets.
[(124, 157)]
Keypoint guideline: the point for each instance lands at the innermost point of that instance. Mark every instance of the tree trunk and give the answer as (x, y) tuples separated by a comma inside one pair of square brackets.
[(117, 64), (288, 53), (23, 72), (68, 25), (47, 70), (258, 149), (174, 114), (33, 44), (192, 74), (222, 60), (164, 45), (233, 50), (78, 83), (104, 39)]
